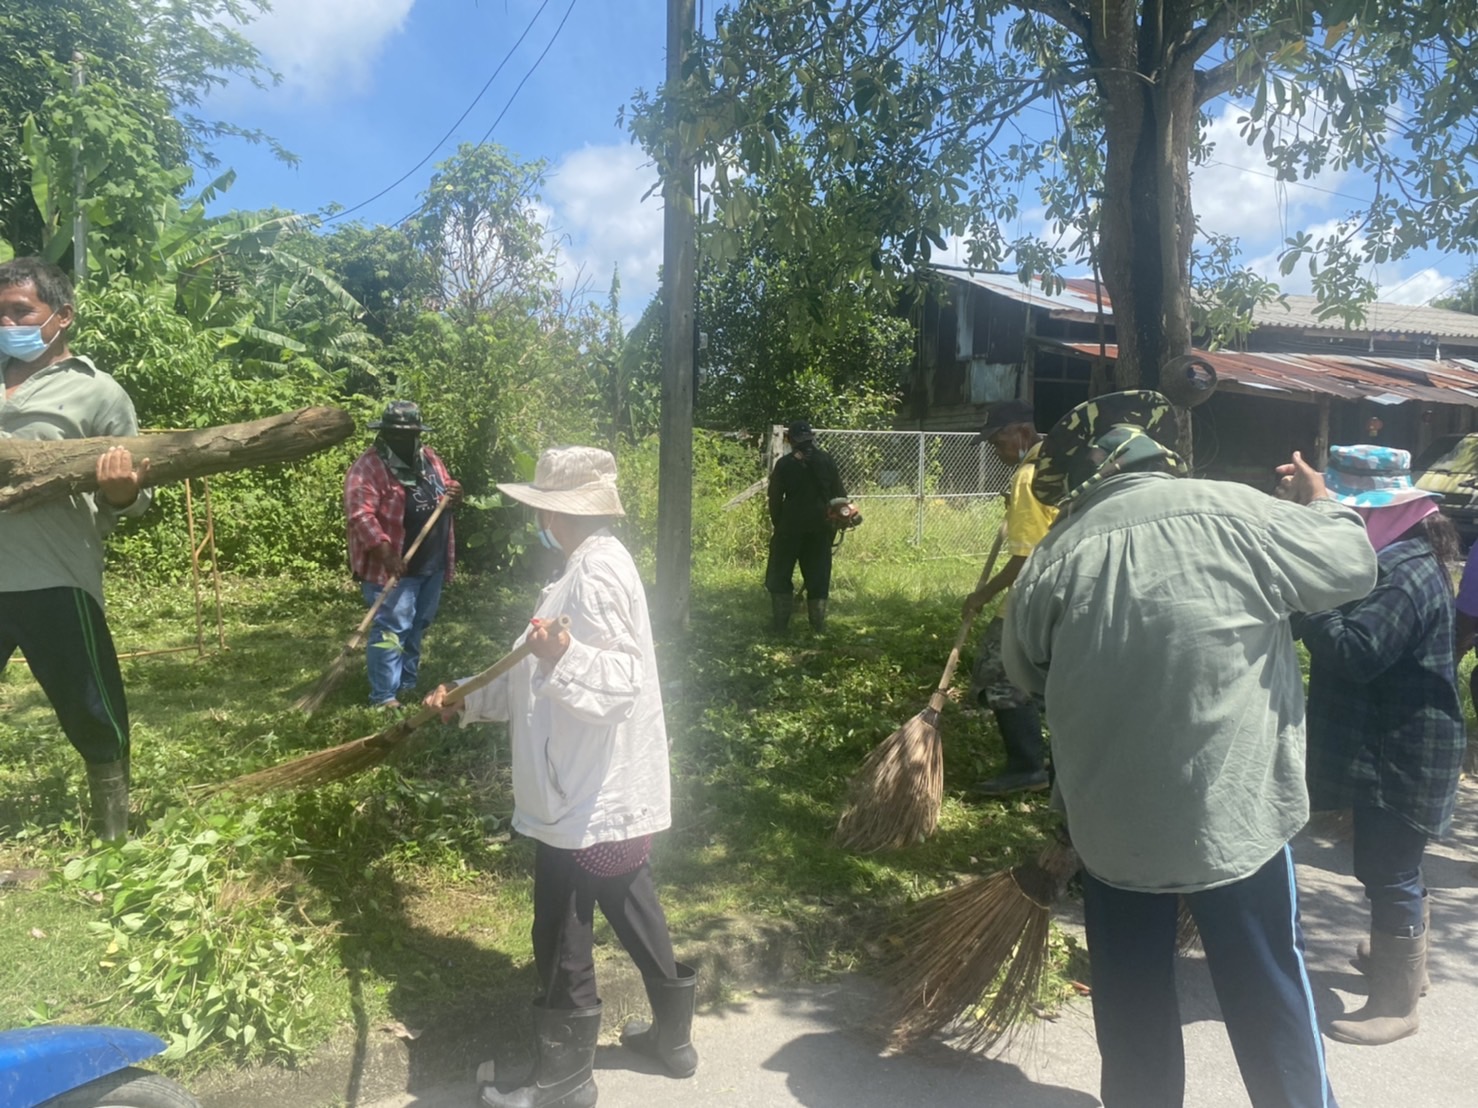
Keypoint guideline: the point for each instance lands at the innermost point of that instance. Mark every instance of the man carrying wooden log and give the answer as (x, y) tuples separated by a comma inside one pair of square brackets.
[(390, 494), (51, 554), (1154, 618), (1011, 430)]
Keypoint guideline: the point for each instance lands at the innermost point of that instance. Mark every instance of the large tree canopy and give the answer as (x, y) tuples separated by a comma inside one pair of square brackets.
[(906, 115), (169, 54)]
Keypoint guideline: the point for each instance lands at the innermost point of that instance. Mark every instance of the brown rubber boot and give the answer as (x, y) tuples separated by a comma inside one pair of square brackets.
[(1397, 966), (1361, 960)]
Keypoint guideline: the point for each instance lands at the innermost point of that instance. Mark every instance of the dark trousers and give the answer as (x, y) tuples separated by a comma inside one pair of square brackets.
[(1388, 862), (812, 549), (65, 639), (1254, 949), (565, 897)]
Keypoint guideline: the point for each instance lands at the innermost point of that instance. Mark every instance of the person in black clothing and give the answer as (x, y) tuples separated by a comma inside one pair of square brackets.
[(801, 485)]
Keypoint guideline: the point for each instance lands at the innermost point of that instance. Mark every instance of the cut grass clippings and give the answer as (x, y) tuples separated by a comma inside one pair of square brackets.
[(403, 886)]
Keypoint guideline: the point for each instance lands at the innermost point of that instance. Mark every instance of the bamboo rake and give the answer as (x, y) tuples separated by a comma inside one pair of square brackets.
[(357, 755), (313, 699)]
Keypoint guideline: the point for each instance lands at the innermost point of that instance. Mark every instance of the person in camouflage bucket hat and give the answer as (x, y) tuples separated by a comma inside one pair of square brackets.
[(1102, 437), (1153, 619)]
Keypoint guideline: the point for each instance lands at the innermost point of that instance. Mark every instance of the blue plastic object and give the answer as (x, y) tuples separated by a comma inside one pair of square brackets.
[(38, 1063)]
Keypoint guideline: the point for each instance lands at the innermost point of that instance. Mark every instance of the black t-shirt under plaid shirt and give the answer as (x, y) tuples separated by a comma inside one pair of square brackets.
[(420, 502)]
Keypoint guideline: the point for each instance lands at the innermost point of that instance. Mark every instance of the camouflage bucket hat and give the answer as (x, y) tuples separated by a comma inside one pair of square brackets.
[(1103, 437), (400, 415)]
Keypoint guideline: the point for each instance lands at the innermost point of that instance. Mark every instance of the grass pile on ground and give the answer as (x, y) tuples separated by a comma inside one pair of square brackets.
[(400, 895)]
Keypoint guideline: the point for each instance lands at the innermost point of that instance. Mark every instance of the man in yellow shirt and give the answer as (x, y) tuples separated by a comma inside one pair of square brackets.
[(1011, 430)]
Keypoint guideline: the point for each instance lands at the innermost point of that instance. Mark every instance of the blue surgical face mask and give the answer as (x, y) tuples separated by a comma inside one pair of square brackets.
[(24, 343), (547, 539)]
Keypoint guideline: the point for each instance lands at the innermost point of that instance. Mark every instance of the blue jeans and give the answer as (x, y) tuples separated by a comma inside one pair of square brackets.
[(403, 619), (1254, 950), (1388, 862)]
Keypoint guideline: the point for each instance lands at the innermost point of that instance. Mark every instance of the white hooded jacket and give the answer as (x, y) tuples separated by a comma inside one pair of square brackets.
[(589, 739)]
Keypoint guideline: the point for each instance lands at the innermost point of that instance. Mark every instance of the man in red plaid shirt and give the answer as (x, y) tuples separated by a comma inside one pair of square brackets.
[(390, 492)]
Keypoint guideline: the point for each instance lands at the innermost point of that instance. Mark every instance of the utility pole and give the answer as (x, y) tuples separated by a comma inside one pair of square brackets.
[(79, 183), (679, 281)]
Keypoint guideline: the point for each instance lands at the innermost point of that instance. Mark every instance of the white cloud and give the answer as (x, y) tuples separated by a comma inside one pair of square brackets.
[(1393, 286), (1236, 194), (594, 195), (322, 47), (1421, 287)]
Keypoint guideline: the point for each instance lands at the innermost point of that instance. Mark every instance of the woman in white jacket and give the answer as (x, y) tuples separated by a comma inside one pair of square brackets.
[(590, 784)]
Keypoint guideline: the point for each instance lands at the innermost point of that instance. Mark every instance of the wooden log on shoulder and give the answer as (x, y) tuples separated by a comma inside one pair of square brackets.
[(34, 471)]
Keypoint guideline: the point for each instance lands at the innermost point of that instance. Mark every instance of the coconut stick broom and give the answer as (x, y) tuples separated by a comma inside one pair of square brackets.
[(895, 796), (313, 699), (976, 955), (358, 755), (977, 952)]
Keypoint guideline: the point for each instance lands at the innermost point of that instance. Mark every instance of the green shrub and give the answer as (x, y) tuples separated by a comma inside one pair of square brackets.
[(272, 519)]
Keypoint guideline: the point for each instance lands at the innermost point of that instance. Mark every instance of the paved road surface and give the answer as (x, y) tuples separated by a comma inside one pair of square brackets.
[(804, 1046)]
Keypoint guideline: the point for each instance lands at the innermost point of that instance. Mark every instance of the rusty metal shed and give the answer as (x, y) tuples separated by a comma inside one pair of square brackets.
[(1382, 380)]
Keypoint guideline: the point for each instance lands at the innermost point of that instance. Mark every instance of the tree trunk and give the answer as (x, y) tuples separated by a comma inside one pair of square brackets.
[(35, 471), (1147, 226)]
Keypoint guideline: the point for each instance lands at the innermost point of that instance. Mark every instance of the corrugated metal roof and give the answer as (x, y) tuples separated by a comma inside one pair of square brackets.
[(1387, 319), (1072, 302), (1076, 300), (1386, 380)]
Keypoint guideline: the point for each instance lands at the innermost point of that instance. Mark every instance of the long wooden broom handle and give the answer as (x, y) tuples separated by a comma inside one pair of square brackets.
[(460, 693), (937, 700), (359, 632)]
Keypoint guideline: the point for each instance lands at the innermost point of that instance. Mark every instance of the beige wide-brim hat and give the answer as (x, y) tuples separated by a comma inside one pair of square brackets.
[(571, 480)]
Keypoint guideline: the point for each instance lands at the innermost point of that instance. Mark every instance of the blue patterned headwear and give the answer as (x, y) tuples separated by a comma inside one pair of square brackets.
[(1372, 477)]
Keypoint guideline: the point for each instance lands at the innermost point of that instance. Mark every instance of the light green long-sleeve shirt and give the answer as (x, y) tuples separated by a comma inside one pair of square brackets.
[(1154, 620), (60, 543)]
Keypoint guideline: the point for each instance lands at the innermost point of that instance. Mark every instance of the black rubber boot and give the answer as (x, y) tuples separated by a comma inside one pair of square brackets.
[(108, 784), (565, 1040), (816, 613), (780, 608), (669, 1037), (1026, 769)]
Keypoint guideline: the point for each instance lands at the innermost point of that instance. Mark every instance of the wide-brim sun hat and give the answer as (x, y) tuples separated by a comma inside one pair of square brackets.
[(1103, 437), (1369, 476), (571, 480)]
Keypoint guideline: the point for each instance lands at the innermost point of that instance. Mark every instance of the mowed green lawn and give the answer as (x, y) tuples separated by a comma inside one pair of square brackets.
[(253, 928)]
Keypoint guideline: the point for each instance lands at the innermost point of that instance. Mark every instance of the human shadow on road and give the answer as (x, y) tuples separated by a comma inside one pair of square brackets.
[(829, 1069), (845, 1067)]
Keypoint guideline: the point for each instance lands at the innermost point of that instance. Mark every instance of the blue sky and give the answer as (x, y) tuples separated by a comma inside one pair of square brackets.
[(369, 85)]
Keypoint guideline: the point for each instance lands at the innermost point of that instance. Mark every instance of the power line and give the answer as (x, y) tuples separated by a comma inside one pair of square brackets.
[(1295, 184), (530, 73), (452, 129), (508, 104)]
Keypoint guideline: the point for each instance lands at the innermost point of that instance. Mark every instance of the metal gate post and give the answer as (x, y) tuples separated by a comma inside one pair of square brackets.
[(919, 528)]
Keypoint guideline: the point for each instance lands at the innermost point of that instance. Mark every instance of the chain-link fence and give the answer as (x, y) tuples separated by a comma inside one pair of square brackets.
[(937, 492)]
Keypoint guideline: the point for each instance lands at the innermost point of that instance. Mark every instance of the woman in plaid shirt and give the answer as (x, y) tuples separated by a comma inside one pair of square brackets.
[(1385, 727)]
